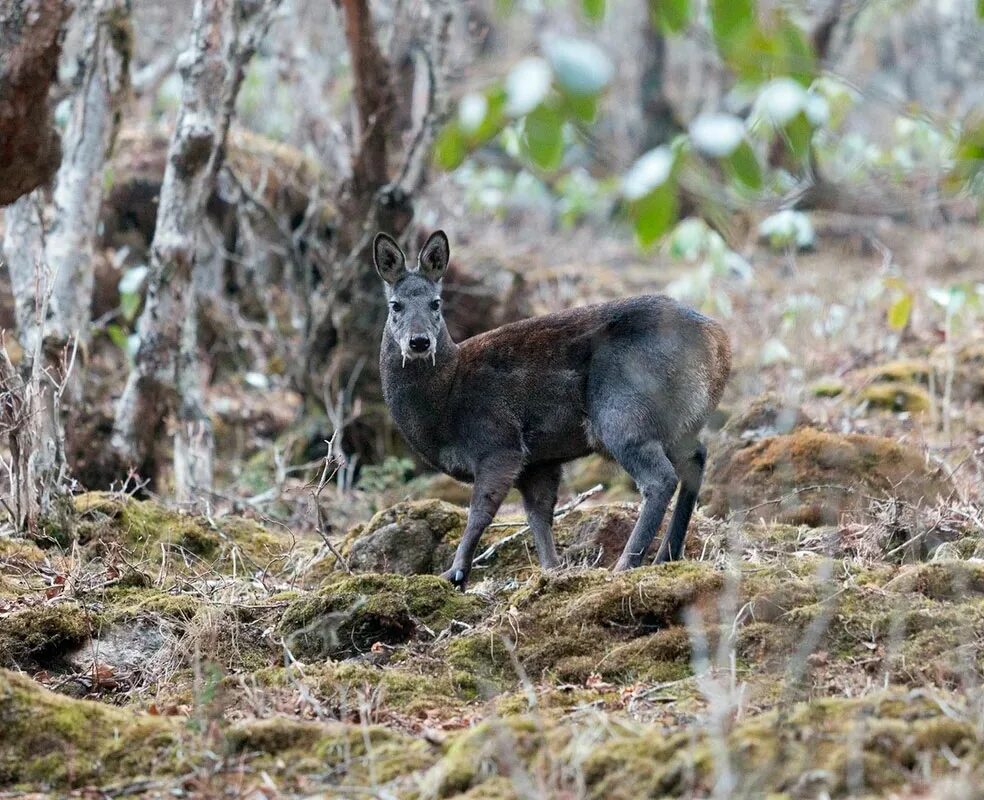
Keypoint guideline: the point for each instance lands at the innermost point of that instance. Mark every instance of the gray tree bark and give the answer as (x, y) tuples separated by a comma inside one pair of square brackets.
[(49, 255), (224, 36)]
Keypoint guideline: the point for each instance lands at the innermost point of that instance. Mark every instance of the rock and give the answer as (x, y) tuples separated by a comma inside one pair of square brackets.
[(408, 539), (352, 615), (586, 473), (120, 649), (595, 536), (814, 477)]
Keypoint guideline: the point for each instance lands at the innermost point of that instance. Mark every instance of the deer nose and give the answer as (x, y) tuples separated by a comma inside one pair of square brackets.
[(420, 343)]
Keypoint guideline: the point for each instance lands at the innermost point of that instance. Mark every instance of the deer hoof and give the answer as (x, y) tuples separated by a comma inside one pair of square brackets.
[(456, 576)]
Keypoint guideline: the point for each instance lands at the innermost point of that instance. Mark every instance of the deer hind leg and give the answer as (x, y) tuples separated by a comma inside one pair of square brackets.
[(653, 472), (538, 485), (690, 470)]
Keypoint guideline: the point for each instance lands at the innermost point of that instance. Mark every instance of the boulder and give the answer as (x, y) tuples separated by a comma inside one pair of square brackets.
[(814, 477)]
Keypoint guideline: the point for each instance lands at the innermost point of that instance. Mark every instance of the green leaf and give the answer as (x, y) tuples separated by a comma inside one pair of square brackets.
[(594, 9), (129, 305), (117, 336), (451, 147), (798, 134), (467, 131), (898, 314), (797, 57), (671, 15), (584, 107), (581, 67), (543, 137), (968, 162), (980, 8), (744, 166), (731, 21), (655, 213)]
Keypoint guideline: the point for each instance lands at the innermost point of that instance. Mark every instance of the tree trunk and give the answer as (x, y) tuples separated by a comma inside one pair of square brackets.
[(224, 37), (30, 43), (658, 119), (51, 268), (347, 313)]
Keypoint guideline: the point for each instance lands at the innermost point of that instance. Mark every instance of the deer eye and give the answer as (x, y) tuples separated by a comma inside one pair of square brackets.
[(435, 305), (397, 306)]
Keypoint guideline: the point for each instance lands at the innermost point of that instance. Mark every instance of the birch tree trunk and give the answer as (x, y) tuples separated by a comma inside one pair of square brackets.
[(51, 268), (225, 34)]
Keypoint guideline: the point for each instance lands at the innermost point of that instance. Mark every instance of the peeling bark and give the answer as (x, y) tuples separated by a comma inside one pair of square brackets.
[(224, 36), (49, 254), (30, 43)]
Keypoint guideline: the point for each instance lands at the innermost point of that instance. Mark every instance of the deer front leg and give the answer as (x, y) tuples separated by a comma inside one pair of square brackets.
[(493, 479)]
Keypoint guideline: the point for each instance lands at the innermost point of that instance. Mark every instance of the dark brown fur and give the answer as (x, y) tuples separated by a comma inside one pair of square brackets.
[(634, 378)]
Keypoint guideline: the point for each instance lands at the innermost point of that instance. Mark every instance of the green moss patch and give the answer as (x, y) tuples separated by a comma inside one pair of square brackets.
[(151, 532), (33, 637), (351, 613), (815, 477)]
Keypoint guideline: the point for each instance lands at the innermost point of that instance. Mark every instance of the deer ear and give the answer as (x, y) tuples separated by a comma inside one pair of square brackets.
[(391, 263), (434, 255)]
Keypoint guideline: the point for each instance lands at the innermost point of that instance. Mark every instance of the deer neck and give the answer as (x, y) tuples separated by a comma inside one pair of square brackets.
[(417, 391)]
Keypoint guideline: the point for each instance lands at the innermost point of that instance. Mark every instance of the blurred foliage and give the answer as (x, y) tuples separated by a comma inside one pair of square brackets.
[(539, 109)]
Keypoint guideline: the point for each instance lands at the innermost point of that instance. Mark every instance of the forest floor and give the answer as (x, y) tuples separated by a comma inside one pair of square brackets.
[(823, 638)]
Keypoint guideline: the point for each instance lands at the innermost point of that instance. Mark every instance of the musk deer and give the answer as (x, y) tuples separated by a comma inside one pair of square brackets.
[(634, 379)]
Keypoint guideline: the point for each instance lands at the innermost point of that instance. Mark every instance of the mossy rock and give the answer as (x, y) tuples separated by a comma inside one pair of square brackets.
[(37, 636), (355, 755), (768, 415), (586, 473), (151, 532), (896, 396), (828, 387), (910, 370), (837, 748), (570, 625), (941, 580), (410, 538), (49, 741), (351, 613), (814, 477), (409, 688)]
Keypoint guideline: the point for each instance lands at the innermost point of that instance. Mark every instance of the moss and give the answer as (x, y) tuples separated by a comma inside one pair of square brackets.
[(41, 634), (47, 740), (124, 603), (828, 387), (152, 532), (813, 477), (569, 625), (271, 736), (896, 396), (910, 370), (941, 580), (351, 613)]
